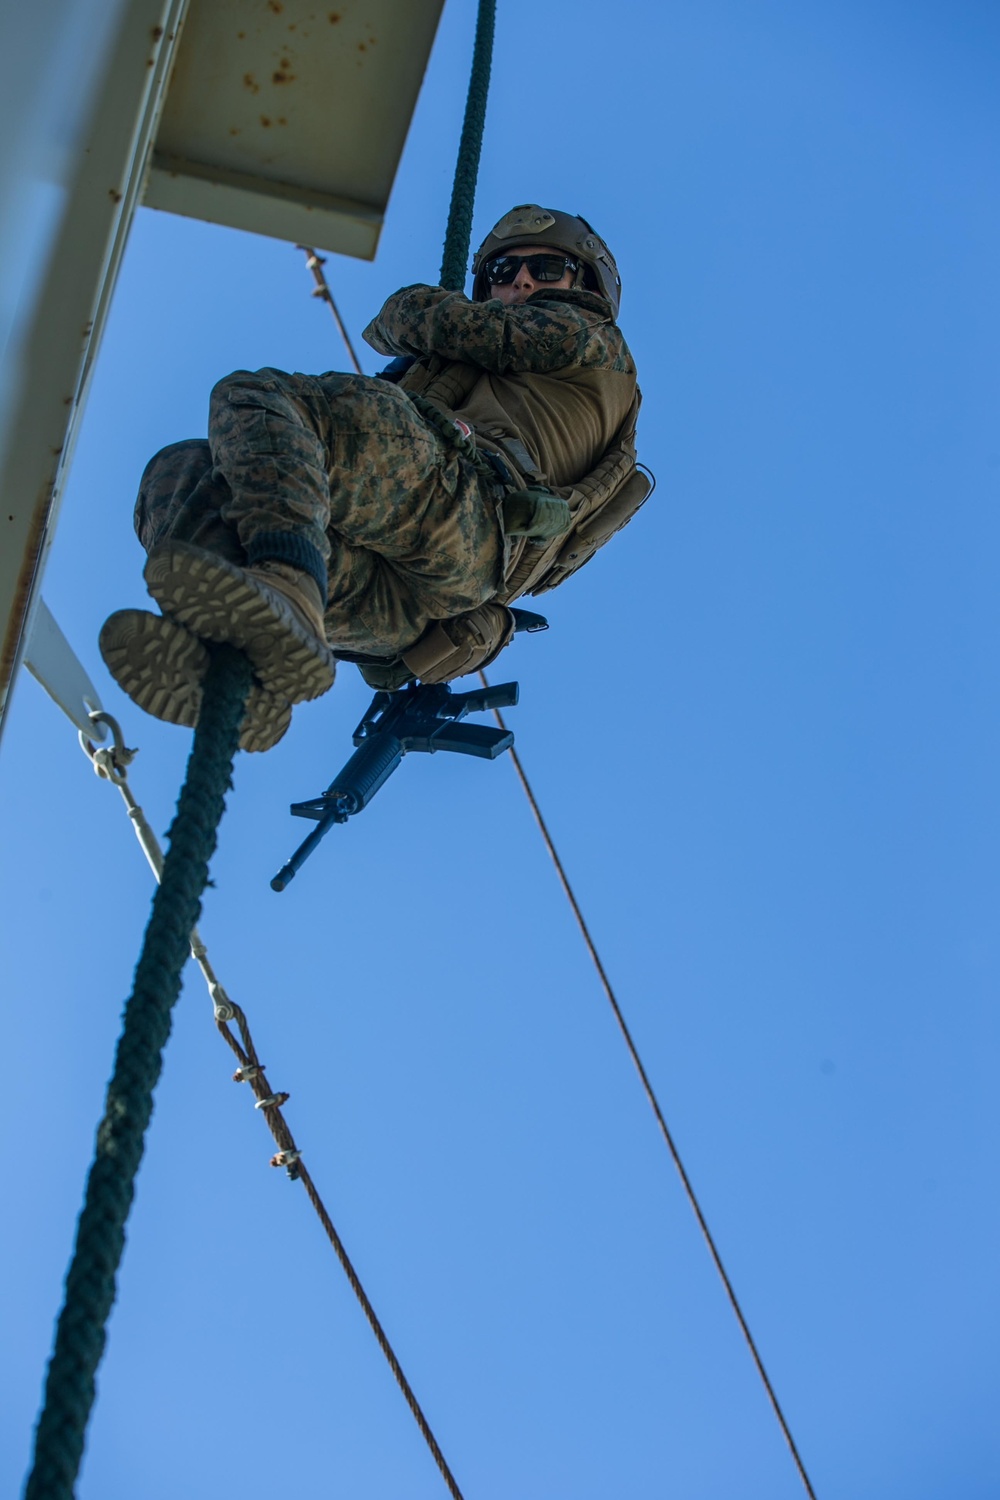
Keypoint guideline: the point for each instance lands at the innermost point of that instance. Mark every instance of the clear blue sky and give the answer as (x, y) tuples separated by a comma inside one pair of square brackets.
[(764, 728)]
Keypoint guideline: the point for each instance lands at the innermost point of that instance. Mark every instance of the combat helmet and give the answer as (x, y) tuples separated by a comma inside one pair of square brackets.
[(526, 223)]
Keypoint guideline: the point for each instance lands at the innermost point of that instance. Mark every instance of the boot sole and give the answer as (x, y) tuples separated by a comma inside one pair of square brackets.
[(162, 667), (219, 601)]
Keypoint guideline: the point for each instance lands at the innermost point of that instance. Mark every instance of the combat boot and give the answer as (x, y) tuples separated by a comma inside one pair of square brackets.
[(272, 611), (162, 667)]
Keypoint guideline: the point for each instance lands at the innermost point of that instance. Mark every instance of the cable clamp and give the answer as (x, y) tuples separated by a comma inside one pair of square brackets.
[(244, 1075), (113, 761), (225, 1010), (272, 1100), (285, 1158)]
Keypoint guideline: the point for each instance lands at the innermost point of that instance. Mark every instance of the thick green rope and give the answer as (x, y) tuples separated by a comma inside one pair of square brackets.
[(100, 1237), (463, 194)]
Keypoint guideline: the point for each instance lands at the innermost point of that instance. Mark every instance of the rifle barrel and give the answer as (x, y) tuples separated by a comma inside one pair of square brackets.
[(289, 870)]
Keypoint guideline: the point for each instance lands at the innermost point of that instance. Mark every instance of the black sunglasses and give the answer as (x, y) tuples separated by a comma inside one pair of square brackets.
[(502, 269)]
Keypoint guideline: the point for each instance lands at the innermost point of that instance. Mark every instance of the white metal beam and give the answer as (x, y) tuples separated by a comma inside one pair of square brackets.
[(289, 118), (59, 340)]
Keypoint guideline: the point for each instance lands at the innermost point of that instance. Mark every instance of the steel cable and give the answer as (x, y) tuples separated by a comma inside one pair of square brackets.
[(654, 1103), (81, 1329), (251, 1070), (111, 764)]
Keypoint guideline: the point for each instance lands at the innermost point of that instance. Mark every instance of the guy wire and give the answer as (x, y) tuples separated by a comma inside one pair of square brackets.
[(315, 263), (251, 1070), (651, 1096)]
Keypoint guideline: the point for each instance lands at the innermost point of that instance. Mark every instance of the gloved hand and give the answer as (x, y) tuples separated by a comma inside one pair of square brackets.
[(535, 513)]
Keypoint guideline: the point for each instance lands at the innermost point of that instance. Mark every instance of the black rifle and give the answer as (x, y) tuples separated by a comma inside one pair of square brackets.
[(419, 717)]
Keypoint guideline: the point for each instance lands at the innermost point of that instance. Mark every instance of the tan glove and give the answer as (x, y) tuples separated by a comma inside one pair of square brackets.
[(450, 648)]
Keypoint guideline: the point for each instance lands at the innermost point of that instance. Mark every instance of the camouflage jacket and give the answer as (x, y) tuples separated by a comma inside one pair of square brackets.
[(554, 372), (551, 384)]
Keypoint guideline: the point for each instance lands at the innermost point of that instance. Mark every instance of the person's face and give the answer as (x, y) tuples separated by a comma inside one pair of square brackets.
[(513, 293)]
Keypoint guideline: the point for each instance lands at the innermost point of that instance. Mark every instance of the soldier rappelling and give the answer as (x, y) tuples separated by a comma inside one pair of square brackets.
[(392, 520)]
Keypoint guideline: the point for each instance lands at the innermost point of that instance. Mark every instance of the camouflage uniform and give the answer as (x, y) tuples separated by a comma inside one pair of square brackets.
[(340, 476), (554, 372)]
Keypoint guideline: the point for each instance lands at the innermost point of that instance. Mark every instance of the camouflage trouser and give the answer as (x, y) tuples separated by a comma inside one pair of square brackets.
[(339, 474)]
